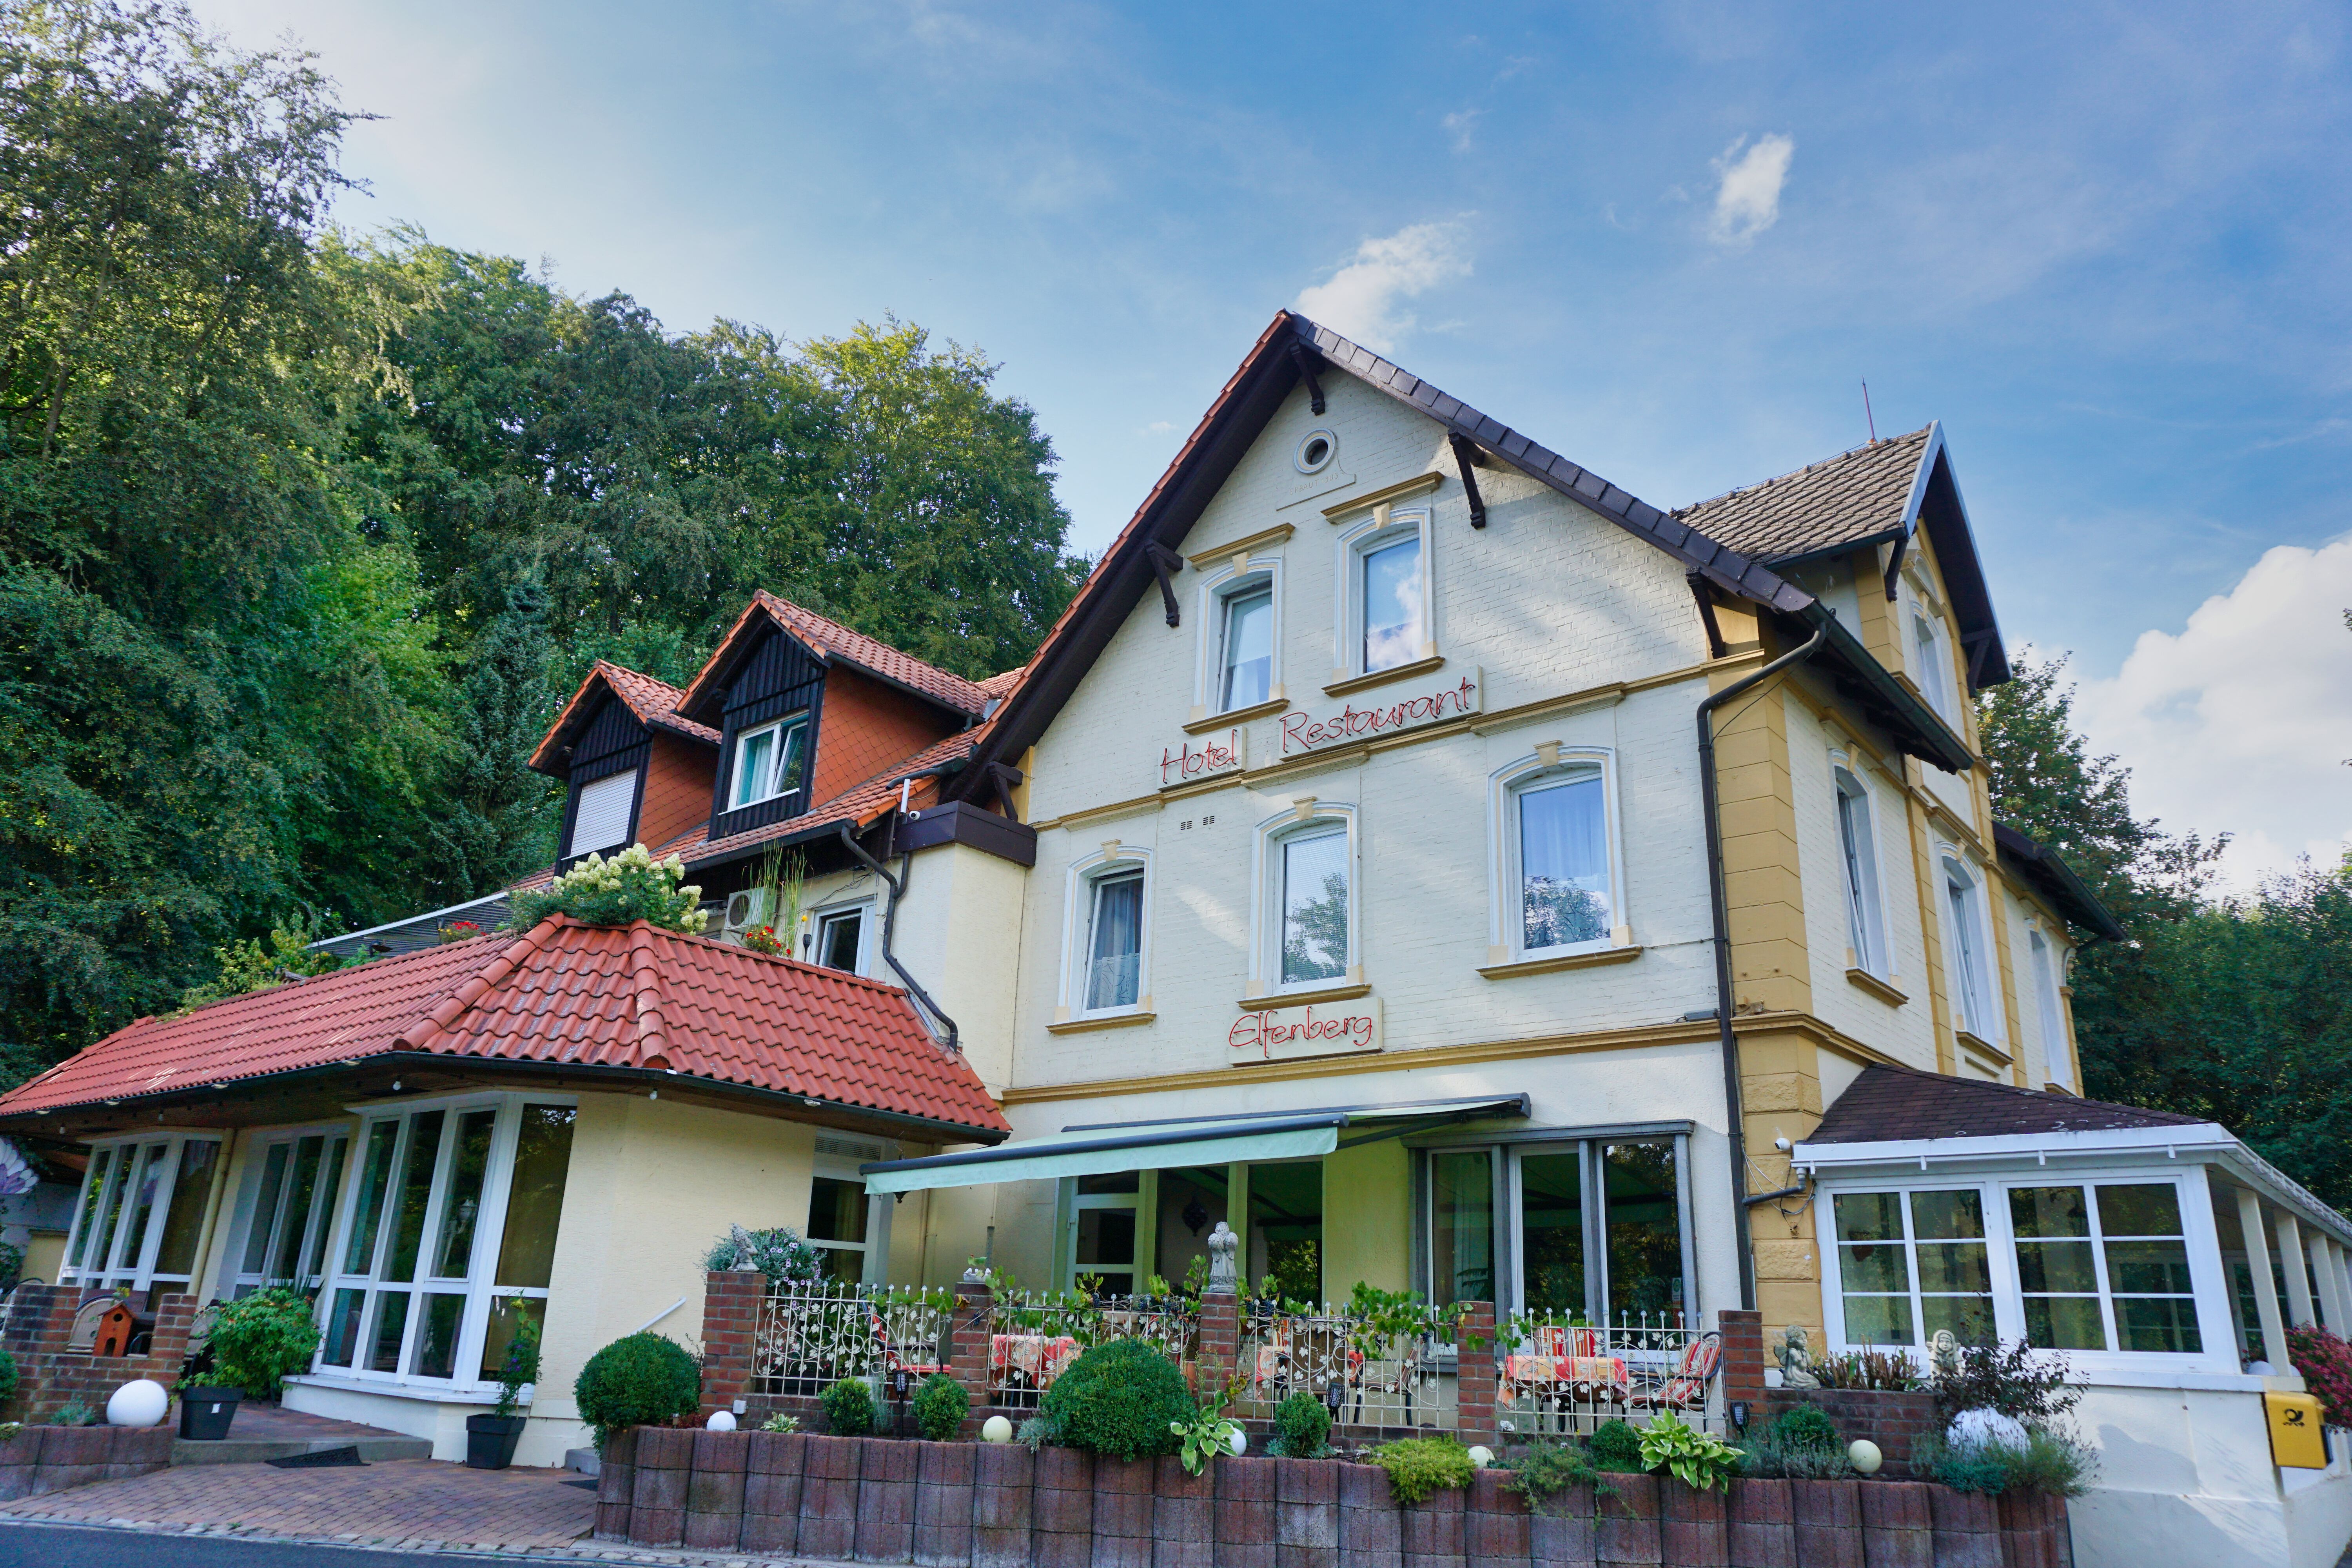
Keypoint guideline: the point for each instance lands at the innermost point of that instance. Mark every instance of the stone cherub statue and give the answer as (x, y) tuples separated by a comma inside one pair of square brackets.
[(1225, 1277), (1796, 1360), (1944, 1352)]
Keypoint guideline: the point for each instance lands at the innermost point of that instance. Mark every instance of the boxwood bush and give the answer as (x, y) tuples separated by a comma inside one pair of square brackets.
[(940, 1406), (1120, 1399), (848, 1407), (1302, 1428), (643, 1380)]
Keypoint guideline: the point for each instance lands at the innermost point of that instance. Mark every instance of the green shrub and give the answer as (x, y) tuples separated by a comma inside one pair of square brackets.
[(8, 1376), (1802, 1445), (2050, 1462), (1805, 1427), (2025, 1385), (1302, 1428), (631, 885), (257, 1340), (74, 1413), (1039, 1432), (1120, 1398), (1617, 1446), (1540, 1472), (940, 1406), (1698, 1460), (1420, 1466), (848, 1407), (779, 1253), (643, 1380)]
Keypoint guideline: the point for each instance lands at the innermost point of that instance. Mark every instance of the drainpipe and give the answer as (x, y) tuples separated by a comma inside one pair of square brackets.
[(1712, 809), (898, 886)]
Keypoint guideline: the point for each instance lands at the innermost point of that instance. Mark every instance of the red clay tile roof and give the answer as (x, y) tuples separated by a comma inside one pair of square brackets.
[(1861, 494), (831, 640), (655, 703), (565, 993), (857, 806), (1890, 1103), (1003, 681)]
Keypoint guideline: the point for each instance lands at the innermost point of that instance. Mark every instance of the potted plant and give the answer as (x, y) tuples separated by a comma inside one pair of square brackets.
[(208, 1402), (491, 1439)]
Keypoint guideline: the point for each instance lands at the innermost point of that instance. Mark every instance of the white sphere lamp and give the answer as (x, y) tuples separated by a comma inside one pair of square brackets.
[(1481, 1457), (1864, 1457), (141, 1401), (721, 1421), (1238, 1442), (996, 1429)]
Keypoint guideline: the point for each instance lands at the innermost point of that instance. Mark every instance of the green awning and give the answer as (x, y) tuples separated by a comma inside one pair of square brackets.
[(1109, 1148)]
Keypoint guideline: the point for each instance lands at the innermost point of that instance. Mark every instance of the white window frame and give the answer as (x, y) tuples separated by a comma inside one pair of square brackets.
[(1858, 868), (255, 1151), (778, 727), (820, 918), (1933, 655), (1505, 784), (626, 780), (1313, 818), (129, 1265), (1110, 861), (2049, 1007), (874, 1252), (1956, 871), (2208, 1279), (1217, 588), (1382, 529), (490, 1235)]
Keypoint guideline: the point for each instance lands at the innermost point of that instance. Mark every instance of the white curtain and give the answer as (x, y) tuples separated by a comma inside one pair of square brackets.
[(1114, 955)]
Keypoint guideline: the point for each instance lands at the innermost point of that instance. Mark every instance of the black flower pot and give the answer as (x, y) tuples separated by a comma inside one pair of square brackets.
[(205, 1412), (490, 1440)]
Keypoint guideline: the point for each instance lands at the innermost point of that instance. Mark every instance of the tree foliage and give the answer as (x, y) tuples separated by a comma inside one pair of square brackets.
[(305, 539), (2228, 1006)]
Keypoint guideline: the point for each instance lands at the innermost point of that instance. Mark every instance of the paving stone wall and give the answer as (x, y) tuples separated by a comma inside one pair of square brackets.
[(964, 1505), (41, 1459)]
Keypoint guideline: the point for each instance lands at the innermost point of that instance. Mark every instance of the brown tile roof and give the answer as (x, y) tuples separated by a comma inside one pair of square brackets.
[(830, 640), (1890, 1103), (655, 703), (564, 992), (1858, 495), (1003, 681)]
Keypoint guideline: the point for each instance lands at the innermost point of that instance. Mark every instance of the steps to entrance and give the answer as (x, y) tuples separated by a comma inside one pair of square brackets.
[(263, 1432)]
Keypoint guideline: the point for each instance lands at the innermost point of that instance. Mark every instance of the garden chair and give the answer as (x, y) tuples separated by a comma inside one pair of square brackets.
[(1684, 1388)]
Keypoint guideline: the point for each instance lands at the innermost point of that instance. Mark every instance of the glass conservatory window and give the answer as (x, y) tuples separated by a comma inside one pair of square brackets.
[(142, 1211)]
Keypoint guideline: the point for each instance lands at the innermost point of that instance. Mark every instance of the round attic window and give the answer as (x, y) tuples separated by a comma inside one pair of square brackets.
[(1315, 449)]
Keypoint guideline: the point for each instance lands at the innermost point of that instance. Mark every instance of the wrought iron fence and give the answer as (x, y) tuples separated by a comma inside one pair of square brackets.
[(1381, 1369), (1034, 1336), (1559, 1377), (812, 1333)]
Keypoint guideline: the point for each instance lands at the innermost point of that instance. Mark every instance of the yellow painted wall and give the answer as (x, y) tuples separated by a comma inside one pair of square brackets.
[(1367, 1218), (653, 1183), (44, 1254)]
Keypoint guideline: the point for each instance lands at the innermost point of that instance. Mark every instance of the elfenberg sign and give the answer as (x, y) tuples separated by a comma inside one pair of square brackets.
[(1279, 1034)]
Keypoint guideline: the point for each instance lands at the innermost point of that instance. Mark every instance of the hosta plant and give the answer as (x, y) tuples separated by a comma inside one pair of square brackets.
[(1694, 1457)]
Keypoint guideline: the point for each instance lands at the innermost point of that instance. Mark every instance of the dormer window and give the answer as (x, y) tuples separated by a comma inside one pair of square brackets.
[(601, 821), (769, 760)]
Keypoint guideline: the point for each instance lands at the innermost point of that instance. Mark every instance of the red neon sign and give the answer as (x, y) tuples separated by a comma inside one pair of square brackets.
[(1299, 734), (1212, 758), (1259, 1029)]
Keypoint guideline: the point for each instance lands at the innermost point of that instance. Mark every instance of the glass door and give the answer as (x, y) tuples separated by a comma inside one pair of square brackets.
[(1103, 1215), (292, 1208)]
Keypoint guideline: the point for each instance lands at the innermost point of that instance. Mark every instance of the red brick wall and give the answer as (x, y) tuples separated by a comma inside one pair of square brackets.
[(39, 1322), (869, 727), (679, 777), (1890, 1420)]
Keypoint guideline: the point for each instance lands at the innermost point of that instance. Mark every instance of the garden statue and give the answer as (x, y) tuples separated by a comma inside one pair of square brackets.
[(1796, 1361), (1224, 1275), (1944, 1352)]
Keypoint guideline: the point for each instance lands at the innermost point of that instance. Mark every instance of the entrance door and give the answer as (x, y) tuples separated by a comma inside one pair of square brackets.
[(1102, 1217), (292, 1206)]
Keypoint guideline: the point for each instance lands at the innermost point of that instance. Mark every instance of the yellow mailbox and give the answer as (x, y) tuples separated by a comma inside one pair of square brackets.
[(2296, 1440)]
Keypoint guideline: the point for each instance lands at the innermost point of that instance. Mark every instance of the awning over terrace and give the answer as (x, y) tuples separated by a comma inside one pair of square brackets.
[(1103, 1148)]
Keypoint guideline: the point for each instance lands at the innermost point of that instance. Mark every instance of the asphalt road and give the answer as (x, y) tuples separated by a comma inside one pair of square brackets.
[(67, 1546)]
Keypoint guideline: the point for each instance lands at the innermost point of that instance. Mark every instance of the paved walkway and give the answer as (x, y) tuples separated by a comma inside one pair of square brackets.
[(420, 1503)]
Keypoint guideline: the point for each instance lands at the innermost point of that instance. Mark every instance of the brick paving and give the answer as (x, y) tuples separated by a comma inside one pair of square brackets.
[(423, 1504)]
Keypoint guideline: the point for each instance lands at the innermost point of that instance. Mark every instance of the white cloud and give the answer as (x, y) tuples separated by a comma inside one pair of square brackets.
[(1748, 199), (1460, 126), (1363, 299), (2241, 721)]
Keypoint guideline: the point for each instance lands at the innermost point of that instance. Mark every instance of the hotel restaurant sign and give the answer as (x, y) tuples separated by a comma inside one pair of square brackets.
[(1300, 732)]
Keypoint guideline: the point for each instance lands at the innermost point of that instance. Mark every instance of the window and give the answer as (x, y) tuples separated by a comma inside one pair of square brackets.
[(1865, 932), (1934, 667), (1912, 1264), (2049, 1009), (1313, 904), (1246, 658), (1384, 595), (1593, 1228), (1561, 852), (841, 939), (448, 1237), (1316, 450), (2095, 1267), (288, 1209), (769, 760), (1102, 1222), (836, 1227), (601, 819), (1971, 980), (142, 1211), (1114, 961)]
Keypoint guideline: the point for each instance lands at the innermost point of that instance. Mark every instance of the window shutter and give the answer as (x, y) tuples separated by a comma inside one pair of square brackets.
[(602, 820)]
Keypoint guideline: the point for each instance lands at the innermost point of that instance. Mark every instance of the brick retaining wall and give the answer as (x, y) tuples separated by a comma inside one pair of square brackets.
[(963, 1505), (40, 1319), (41, 1459), (1888, 1420)]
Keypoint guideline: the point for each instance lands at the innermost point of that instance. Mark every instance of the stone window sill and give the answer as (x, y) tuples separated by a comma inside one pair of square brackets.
[(1273, 1000), (1383, 676), (1606, 955), (1109, 1021), (1884, 990), (1227, 720)]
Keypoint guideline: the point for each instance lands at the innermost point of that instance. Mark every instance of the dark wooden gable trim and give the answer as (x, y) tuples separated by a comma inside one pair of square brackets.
[(773, 680), (612, 741)]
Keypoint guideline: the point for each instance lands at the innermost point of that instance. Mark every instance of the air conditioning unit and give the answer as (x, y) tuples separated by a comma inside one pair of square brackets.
[(746, 910)]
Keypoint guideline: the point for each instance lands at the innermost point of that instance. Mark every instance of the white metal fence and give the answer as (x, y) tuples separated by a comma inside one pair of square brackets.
[(812, 1333)]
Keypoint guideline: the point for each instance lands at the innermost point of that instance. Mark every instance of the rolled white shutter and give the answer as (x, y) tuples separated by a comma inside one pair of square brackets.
[(602, 820)]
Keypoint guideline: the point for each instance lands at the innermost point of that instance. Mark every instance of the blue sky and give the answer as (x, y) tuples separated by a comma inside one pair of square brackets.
[(2105, 246)]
